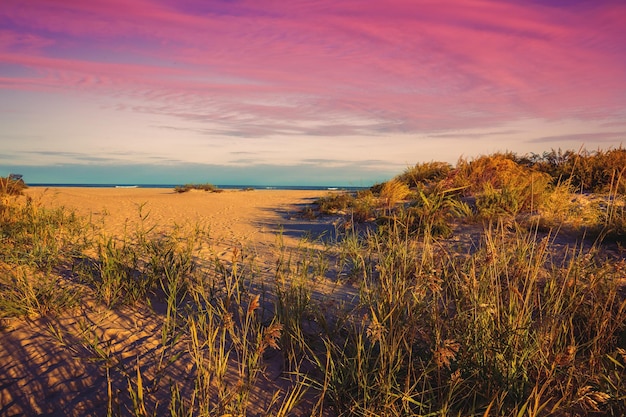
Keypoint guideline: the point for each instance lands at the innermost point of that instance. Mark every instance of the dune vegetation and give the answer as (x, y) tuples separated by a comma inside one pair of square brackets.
[(12, 185), (493, 287), (201, 187)]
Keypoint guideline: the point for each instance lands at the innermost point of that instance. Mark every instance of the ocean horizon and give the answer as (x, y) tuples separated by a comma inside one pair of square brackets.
[(220, 186)]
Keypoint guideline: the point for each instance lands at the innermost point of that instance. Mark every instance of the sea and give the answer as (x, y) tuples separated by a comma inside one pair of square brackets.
[(223, 187)]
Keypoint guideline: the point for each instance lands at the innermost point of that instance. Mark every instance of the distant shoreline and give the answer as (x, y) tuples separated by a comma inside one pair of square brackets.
[(224, 187)]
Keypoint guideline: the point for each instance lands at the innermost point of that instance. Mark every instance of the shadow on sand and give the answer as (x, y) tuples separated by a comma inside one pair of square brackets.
[(295, 225)]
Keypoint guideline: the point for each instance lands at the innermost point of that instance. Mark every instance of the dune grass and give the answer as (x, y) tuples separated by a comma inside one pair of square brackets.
[(513, 323), (12, 185), (202, 187)]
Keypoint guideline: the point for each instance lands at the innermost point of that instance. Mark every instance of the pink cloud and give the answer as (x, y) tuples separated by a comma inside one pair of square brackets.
[(403, 65)]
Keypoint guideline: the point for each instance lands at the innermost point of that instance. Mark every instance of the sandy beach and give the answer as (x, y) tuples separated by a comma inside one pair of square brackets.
[(44, 370), (232, 216)]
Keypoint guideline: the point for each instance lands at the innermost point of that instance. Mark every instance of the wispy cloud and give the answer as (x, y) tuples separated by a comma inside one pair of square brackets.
[(64, 157), (473, 135), (343, 162), (402, 60)]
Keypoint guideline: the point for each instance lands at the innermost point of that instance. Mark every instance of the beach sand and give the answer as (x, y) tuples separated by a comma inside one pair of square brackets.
[(41, 373), (235, 215)]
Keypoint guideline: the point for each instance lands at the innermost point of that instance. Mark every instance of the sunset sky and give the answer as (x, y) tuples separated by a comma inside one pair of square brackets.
[(300, 92)]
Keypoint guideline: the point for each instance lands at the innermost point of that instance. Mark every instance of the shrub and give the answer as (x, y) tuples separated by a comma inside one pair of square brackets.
[(498, 180), (375, 189), (335, 203), (34, 235), (364, 206), (498, 170), (599, 171), (202, 187), (493, 203)]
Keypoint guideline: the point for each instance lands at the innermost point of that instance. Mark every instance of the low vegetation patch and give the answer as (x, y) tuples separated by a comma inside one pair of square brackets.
[(588, 201), (201, 187), (12, 185)]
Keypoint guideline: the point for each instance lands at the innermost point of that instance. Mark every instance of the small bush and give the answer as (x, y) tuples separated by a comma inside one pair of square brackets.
[(203, 187), (493, 203), (364, 207), (594, 172), (361, 208), (499, 180), (335, 203)]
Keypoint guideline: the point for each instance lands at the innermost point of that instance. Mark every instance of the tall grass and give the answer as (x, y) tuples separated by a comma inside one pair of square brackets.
[(425, 175), (38, 236), (30, 294), (36, 244), (506, 329), (584, 170)]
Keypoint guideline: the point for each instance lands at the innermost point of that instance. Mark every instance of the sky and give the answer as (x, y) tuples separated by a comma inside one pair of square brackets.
[(311, 92)]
